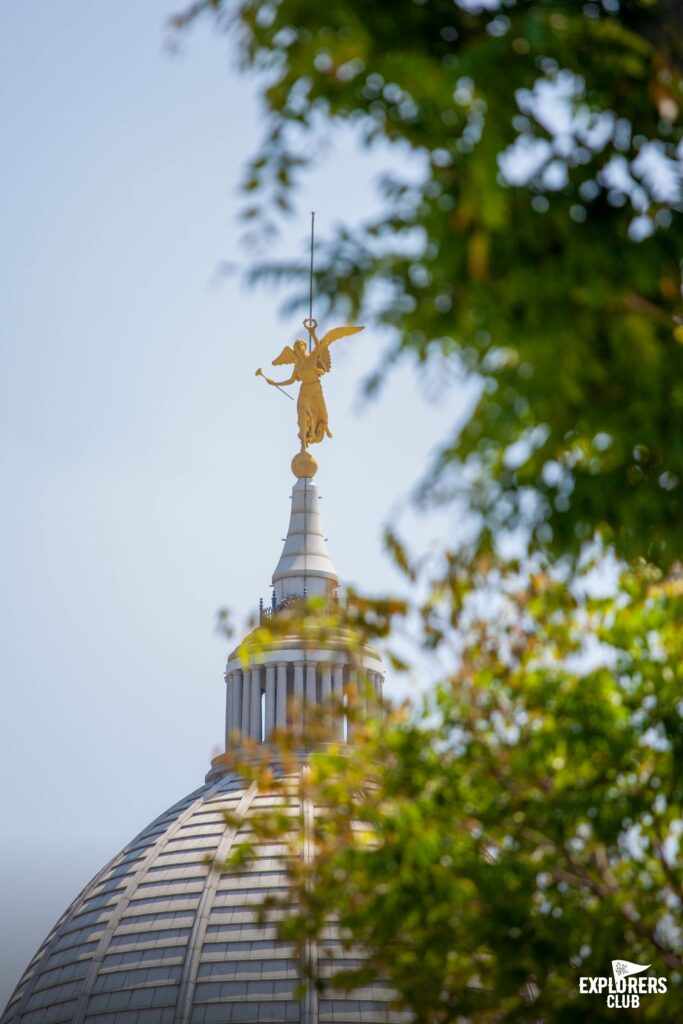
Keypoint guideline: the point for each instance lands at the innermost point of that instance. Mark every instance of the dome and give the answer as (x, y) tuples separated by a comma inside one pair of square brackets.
[(160, 936)]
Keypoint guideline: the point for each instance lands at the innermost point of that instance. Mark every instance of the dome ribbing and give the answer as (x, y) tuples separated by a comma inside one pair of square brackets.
[(160, 937)]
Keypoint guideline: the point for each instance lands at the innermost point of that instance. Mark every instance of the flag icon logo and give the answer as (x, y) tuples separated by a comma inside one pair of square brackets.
[(624, 968), (623, 991)]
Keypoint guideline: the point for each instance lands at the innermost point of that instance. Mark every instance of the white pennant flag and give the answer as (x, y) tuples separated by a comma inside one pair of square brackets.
[(624, 968)]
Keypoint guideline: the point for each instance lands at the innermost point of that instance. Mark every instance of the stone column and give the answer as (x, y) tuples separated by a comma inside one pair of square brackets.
[(299, 681), (228, 708), (236, 701), (338, 691), (338, 681), (353, 688), (281, 700), (244, 703), (311, 695), (299, 693), (363, 682), (255, 695), (270, 701), (374, 692), (326, 684)]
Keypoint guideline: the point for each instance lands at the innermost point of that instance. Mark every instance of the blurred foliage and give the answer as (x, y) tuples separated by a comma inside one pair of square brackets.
[(519, 833), (538, 246)]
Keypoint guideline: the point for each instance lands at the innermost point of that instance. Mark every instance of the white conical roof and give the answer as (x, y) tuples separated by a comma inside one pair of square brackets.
[(305, 567)]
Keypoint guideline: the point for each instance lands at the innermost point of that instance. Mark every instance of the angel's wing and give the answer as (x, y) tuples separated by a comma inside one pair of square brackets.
[(324, 359), (336, 333), (286, 356)]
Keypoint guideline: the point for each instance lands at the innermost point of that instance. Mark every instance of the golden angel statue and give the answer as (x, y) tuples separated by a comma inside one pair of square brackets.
[(309, 367)]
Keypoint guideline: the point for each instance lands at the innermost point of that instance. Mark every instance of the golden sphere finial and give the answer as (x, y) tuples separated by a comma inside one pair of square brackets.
[(304, 465)]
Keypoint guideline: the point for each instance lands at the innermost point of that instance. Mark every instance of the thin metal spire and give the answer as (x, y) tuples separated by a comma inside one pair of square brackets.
[(310, 278)]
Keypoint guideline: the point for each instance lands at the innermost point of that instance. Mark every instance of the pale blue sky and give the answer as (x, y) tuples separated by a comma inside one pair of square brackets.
[(145, 468)]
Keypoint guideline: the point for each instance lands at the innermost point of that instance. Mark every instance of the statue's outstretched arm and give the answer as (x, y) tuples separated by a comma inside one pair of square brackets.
[(280, 383)]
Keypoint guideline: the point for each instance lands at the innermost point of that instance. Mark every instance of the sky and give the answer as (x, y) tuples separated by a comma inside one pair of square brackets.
[(145, 468)]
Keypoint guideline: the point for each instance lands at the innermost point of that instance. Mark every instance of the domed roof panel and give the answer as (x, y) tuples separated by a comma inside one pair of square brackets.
[(158, 937)]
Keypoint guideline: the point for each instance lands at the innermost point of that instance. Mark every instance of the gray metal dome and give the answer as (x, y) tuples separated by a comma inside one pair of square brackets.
[(159, 937)]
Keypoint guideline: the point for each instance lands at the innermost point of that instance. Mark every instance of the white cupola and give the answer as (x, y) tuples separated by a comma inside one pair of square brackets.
[(293, 671)]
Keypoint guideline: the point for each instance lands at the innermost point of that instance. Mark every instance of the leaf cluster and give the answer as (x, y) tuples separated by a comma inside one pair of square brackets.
[(524, 829), (538, 247)]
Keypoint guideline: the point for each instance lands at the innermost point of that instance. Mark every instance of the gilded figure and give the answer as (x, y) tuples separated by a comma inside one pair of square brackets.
[(309, 367)]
